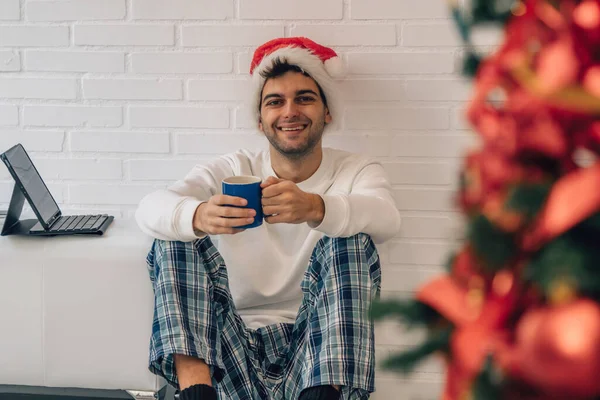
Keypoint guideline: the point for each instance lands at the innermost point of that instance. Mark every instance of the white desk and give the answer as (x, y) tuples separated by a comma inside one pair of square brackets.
[(76, 311)]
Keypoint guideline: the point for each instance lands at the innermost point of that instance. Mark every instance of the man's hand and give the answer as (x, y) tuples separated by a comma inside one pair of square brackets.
[(284, 202), (216, 217)]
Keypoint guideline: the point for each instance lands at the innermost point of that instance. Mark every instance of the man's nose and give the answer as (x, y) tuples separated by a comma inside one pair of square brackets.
[(290, 110)]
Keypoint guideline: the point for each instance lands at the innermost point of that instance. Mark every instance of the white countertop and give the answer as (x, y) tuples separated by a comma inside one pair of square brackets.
[(76, 311), (120, 233)]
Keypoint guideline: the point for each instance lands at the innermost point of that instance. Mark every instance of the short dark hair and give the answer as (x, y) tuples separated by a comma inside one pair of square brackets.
[(280, 67)]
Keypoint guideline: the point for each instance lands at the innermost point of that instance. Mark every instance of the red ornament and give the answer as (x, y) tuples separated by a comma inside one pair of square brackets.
[(571, 201), (479, 313), (558, 349), (557, 66), (591, 80), (587, 15)]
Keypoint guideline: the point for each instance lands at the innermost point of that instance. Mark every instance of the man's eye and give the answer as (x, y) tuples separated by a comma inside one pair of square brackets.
[(273, 102), (305, 99)]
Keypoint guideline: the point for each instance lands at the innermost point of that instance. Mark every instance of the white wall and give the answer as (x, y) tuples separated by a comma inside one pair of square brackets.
[(115, 98)]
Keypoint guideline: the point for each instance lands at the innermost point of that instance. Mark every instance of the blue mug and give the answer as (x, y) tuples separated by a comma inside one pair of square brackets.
[(247, 187)]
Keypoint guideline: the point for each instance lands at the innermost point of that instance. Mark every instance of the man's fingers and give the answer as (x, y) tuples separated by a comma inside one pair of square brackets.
[(233, 212), (230, 212), (274, 190), (275, 219), (232, 231), (271, 180), (218, 227), (232, 222), (271, 201), (226, 200), (227, 231), (271, 210)]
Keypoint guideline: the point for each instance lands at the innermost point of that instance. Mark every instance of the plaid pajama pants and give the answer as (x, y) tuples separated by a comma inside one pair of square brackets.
[(331, 341)]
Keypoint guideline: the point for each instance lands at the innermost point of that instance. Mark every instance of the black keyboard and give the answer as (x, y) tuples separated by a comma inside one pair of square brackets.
[(78, 223)]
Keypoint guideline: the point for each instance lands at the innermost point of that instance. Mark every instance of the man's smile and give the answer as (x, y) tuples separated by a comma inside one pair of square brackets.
[(292, 128)]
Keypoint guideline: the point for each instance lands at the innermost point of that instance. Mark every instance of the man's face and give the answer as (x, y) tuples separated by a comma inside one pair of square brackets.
[(293, 115)]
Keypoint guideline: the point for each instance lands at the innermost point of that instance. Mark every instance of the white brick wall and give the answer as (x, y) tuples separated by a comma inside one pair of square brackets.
[(181, 63), (9, 115), (437, 62), (36, 88), (10, 10), (33, 36), (398, 9), (123, 35), (132, 89), (74, 61), (290, 9), (80, 115), (125, 142), (115, 98), (33, 140), (9, 61), (75, 10), (182, 9), (349, 35), (178, 117), (218, 36)]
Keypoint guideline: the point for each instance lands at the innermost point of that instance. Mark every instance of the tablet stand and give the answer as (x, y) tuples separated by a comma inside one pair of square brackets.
[(12, 224)]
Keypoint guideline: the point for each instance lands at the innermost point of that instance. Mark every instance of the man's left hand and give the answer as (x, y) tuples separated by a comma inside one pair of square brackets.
[(284, 202)]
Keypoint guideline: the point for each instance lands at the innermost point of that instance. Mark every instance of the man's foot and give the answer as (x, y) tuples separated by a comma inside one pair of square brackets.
[(197, 392)]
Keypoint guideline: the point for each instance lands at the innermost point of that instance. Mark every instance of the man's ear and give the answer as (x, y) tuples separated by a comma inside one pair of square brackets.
[(327, 116), (260, 125)]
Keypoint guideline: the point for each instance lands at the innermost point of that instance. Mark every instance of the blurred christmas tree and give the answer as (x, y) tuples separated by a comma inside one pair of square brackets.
[(517, 316)]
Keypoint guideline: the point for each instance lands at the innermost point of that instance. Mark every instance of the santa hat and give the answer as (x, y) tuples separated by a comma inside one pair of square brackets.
[(320, 62)]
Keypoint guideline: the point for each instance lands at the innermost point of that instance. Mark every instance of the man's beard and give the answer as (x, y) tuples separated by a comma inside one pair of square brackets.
[(297, 152)]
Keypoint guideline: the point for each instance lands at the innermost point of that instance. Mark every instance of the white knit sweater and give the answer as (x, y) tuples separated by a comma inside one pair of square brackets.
[(265, 265)]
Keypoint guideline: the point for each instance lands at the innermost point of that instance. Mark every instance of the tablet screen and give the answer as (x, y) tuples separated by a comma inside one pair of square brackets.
[(35, 187)]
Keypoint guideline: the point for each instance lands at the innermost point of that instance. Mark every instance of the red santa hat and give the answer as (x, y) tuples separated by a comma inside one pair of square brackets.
[(320, 62)]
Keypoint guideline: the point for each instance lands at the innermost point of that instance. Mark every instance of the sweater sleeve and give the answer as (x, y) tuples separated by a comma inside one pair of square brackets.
[(168, 214), (368, 208)]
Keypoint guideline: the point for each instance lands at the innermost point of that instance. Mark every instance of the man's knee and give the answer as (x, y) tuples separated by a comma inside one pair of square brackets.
[(352, 249), (163, 246), (166, 253), (172, 248), (358, 242), (356, 254)]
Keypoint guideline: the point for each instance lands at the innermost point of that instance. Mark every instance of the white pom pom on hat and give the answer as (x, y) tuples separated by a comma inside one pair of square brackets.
[(321, 63), (335, 67)]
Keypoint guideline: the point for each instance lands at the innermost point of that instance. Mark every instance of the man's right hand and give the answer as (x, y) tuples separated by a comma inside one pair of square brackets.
[(217, 217)]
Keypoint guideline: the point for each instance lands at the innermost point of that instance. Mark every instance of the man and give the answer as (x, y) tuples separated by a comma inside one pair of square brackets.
[(279, 311)]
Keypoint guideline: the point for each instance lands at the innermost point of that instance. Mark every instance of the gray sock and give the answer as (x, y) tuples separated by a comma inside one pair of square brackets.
[(198, 392), (320, 393)]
